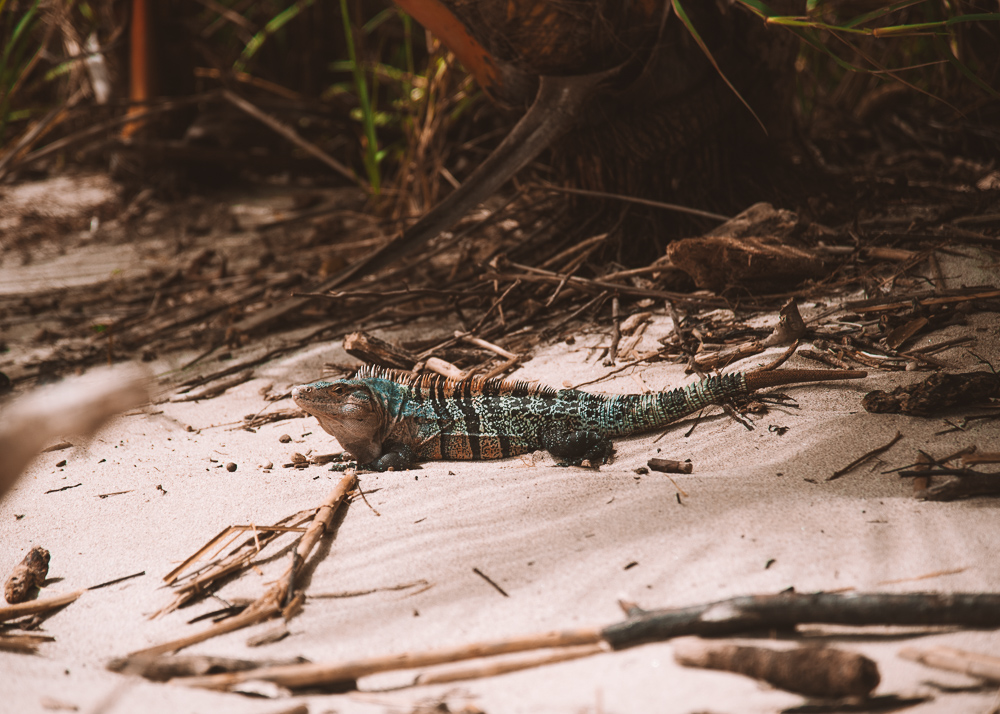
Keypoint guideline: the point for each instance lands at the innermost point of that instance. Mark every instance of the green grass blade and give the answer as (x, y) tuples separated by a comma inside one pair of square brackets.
[(365, 104), (704, 48), (945, 50), (897, 30), (274, 25)]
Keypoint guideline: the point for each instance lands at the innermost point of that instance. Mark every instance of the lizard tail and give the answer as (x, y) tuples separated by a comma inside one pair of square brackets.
[(776, 378)]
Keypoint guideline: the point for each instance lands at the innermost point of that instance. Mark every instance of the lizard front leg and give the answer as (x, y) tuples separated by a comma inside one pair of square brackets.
[(396, 456), (574, 447)]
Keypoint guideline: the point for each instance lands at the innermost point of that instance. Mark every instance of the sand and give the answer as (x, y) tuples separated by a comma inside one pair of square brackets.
[(757, 515)]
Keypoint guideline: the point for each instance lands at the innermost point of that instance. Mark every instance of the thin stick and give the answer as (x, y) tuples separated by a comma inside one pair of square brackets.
[(861, 459), (973, 664), (478, 342), (251, 616), (117, 580), (501, 368), (983, 457), (641, 201), (536, 275), (492, 669), (319, 526), (312, 674), (172, 576), (883, 305), (290, 134), (490, 580), (616, 332), (613, 372), (60, 144), (33, 607)]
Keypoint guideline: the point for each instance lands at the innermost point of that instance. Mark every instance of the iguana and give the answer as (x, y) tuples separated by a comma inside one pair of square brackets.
[(388, 419)]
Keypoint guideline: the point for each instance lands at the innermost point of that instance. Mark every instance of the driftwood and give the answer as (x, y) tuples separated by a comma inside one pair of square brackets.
[(732, 617), (29, 574), (811, 671), (785, 610)]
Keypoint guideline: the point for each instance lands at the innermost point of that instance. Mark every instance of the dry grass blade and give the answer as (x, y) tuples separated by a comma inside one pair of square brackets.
[(272, 602), (172, 576)]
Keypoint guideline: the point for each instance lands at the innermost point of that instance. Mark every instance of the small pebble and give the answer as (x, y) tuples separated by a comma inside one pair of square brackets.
[(230, 467), (284, 438), (269, 465)]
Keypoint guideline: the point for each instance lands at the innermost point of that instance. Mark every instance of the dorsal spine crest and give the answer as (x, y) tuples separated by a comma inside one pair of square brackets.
[(473, 386)]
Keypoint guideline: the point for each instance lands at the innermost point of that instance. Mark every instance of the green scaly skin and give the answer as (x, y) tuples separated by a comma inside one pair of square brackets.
[(388, 419)]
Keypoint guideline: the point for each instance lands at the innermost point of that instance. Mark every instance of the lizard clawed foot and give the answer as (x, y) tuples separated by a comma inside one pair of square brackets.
[(397, 457), (576, 447)]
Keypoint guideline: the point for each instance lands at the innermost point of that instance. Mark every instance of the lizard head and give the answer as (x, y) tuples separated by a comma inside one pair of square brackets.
[(349, 410)]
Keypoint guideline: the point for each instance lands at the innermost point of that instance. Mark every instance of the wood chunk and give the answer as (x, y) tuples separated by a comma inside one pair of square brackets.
[(670, 466), (760, 248), (790, 328), (938, 392), (372, 350), (812, 671), (27, 576)]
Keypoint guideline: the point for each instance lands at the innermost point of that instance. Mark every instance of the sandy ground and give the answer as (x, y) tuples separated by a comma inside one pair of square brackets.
[(756, 516)]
